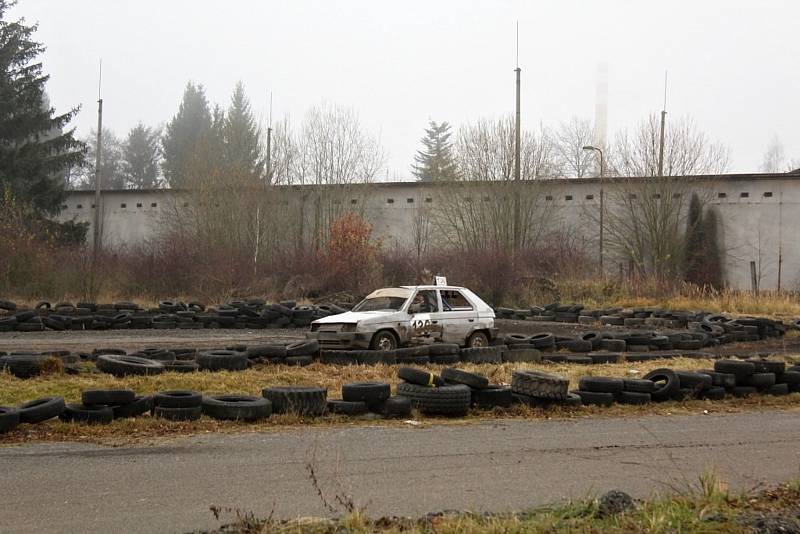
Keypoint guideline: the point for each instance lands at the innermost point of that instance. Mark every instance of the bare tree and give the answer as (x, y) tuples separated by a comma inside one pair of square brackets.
[(774, 157), (687, 151), (570, 138)]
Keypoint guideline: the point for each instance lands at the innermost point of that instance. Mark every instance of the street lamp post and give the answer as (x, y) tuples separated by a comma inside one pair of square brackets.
[(602, 208)]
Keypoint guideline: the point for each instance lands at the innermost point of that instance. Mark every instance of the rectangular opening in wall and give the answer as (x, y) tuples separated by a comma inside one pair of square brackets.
[(722, 195), (589, 197), (138, 204), (676, 196), (744, 194), (154, 205), (123, 205), (429, 200), (185, 204), (632, 196), (353, 201), (63, 206), (337, 202), (79, 207), (409, 201), (767, 194), (486, 199), (657, 196), (567, 197), (548, 197), (390, 201), (93, 206)]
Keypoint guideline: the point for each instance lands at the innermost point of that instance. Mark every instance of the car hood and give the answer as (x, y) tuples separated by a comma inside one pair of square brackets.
[(358, 317)]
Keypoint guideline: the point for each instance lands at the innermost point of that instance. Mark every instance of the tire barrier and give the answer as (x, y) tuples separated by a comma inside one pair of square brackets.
[(251, 314), (714, 326)]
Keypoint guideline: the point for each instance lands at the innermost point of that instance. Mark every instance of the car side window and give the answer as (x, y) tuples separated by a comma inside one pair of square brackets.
[(427, 301), (454, 301)]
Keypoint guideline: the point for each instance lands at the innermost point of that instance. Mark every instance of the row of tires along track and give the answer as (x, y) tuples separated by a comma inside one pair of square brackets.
[(451, 393), (251, 314)]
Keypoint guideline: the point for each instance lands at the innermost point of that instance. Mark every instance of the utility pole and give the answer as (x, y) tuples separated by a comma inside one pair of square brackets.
[(98, 215), (663, 123), (269, 142), (517, 129)]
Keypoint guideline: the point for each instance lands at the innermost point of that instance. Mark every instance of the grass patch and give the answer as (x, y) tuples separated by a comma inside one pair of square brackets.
[(14, 391), (706, 507)]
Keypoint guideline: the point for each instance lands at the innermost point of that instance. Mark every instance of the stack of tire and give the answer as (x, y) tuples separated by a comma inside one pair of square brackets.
[(541, 390), (299, 353), (101, 406), (431, 395), (742, 378), (297, 400), (437, 353), (483, 395), (604, 390), (32, 412), (236, 407), (359, 398), (178, 405)]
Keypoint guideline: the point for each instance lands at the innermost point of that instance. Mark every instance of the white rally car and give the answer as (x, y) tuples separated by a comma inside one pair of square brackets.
[(407, 315)]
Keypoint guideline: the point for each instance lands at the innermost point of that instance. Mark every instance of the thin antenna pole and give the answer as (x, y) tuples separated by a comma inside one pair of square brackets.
[(517, 62), (269, 142), (517, 130), (663, 125), (98, 215)]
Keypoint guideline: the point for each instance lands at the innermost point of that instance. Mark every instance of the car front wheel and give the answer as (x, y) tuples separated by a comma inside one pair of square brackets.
[(478, 339), (384, 341)]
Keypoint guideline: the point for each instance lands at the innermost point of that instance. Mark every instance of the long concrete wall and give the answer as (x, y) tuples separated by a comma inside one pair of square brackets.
[(759, 216)]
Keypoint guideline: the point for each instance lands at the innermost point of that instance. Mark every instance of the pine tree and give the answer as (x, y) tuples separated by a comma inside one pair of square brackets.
[(713, 257), (435, 162), (140, 157), (695, 240), (185, 137), (35, 152), (111, 161), (242, 137)]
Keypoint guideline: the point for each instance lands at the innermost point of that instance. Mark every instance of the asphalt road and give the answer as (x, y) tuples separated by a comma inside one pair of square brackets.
[(508, 465)]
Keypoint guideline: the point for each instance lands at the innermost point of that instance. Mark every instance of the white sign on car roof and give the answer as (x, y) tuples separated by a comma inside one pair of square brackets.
[(441, 281)]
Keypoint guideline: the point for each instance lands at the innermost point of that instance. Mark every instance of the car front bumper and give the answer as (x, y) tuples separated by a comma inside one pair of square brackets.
[(341, 340)]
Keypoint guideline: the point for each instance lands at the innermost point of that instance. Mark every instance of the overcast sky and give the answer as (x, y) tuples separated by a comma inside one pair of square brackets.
[(734, 65)]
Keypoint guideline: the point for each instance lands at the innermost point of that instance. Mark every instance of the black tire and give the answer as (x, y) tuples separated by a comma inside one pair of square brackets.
[(222, 360), (451, 401), (178, 414), (300, 361), (695, 381), (724, 380), (367, 392), (384, 340), (789, 377), (539, 385), (107, 396), (521, 355), (633, 397), (472, 380), (370, 357), (735, 367), (600, 357), (601, 384), (128, 365), (419, 377), (393, 407), (302, 348), (477, 340), (713, 393), (491, 397), (636, 385), (297, 399), (80, 413), (140, 406), (682, 394), (757, 380), (9, 419), (177, 398), (666, 382), (544, 340), (266, 351), (613, 345), (744, 391), (24, 365), (442, 349), (769, 366), (39, 410), (388, 358), (777, 389), (575, 345), (343, 407), (337, 357), (416, 360), (445, 359), (181, 366), (594, 398), (236, 407), (480, 355)]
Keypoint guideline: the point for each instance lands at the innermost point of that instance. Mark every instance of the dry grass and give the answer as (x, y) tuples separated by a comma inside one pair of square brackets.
[(14, 391)]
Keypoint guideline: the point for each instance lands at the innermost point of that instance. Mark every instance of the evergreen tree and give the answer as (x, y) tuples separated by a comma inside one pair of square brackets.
[(713, 257), (140, 157), (185, 136), (242, 138), (35, 152), (695, 240), (111, 162), (435, 162)]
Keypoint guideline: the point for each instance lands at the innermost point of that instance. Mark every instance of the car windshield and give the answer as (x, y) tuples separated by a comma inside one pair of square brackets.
[(380, 304)]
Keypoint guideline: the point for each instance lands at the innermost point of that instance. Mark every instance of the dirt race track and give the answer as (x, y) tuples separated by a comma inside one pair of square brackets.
[(500, 466)]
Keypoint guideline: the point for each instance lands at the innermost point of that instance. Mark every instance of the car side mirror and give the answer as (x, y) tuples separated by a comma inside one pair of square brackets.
[(415, 308)]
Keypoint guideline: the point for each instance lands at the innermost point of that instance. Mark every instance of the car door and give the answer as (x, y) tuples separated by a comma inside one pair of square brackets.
[(457, 317), (425, 324)]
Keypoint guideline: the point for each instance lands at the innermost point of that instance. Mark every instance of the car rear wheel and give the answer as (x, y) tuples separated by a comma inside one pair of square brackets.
[(384, 341), (477, 339)]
